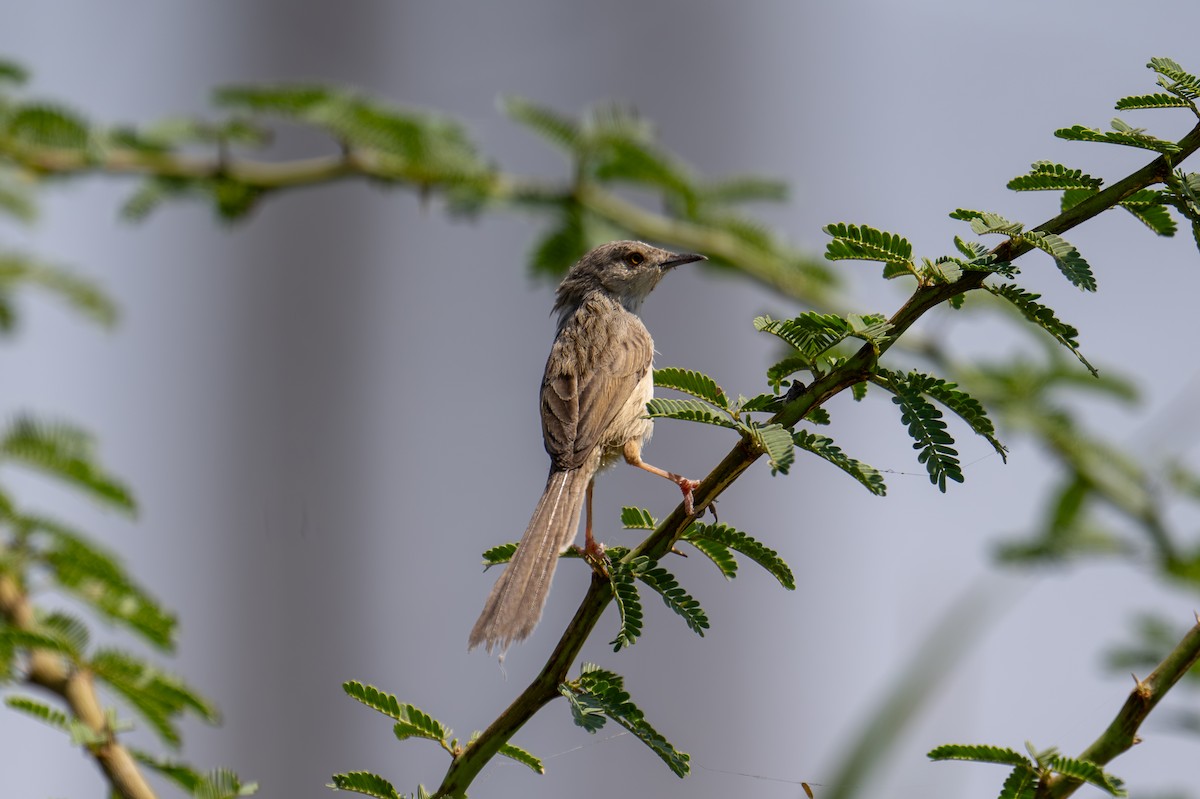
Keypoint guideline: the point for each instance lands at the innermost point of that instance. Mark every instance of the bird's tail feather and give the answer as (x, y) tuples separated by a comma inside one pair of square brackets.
[(515, 604)]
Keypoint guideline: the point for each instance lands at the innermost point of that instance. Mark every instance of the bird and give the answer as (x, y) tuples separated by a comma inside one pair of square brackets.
[(597, 382)]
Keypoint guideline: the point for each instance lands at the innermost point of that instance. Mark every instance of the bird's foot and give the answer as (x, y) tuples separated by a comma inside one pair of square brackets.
[(593, 552), (687, 487)]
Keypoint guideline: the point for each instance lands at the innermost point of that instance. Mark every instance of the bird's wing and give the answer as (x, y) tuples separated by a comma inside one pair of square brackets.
[(597, 360)]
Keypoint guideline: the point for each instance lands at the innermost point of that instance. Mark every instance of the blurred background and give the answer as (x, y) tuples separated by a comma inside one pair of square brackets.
[(328, 411)]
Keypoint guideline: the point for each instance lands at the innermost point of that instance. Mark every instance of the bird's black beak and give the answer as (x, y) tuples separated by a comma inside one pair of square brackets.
[(681, 258)]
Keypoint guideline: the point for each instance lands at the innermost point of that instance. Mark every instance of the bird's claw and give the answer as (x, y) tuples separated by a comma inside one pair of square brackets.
[(595, 556)]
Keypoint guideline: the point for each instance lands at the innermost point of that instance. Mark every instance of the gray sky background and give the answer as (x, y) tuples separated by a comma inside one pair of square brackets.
[(329, 412)]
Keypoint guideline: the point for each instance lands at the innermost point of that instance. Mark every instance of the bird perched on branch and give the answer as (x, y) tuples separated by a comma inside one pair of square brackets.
[(593, 402)]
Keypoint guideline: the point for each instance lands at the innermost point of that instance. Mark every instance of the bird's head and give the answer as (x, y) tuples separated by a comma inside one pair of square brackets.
[(625, 270)]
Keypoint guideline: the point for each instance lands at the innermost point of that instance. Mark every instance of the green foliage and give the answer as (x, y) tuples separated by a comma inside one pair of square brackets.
[(1121, 133), (637, 519), (1021, 783), (46, 125), (182, 774), (66, 452), (502, 553), (1023, 780), (411, 721), (688, 411), (598, 691), (159, 698), (1148, 208), (736, 540), (80, 294), (629, 606), (1047, 175), (1157, 100), (223, 784), (673, 595), (1087, 772), (813, 335), (698, 385), (951, 396), (926, 428), (1066, 257), (364, 782), (524, 758), (1042, 316), (823, 447), (863, 243), (42, 712), (980, 753), (1174, 79)]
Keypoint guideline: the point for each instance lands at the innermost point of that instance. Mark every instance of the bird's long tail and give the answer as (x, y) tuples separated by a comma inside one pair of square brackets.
[(515, 604)]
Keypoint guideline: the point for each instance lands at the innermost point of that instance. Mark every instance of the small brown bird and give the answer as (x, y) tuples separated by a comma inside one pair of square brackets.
[(594, 393)]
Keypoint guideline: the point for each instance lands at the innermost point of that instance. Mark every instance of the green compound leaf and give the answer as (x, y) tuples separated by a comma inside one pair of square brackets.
[(46, 125), (1066, 257), (160, 698), (1021, 783), (501, 553), (42, 712), (178, 772), (411, 721), (81, 294), (776, 442), (1046, 175), (66, 452), (928, 431), (95, 576), (863, 243), (983, 222), (718, 553), (823, 447), (672, 593), (1148, 208), (223, 784), (1158, 100), (741, 542), (1087, 772), (366, 783), (586, 711), (981, 753), (815, 333), (688, 410), (605, 691), (552, 126), (629, 606), (637, 519), (1120, 134), (964, 405), (698, 385), (521, 756), (1174, 79), (1042, 316)]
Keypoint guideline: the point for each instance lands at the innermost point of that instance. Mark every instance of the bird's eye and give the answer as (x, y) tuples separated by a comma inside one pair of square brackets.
[(635, 259)]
